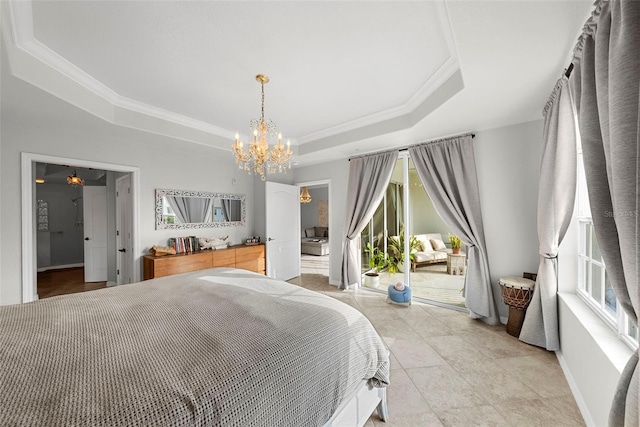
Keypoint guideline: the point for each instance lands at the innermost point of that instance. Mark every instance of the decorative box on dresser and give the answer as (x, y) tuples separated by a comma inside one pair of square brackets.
[(250, 258)]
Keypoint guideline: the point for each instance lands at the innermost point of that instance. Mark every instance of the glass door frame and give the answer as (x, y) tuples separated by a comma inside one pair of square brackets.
[(404, 156)]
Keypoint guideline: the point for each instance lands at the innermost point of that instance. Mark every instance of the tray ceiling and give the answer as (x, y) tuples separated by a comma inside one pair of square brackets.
[(342, 73)]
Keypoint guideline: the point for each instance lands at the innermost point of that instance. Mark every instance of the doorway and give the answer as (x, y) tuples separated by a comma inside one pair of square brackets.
[(315, 212), (31, 167), (71, 228), (421, 258)]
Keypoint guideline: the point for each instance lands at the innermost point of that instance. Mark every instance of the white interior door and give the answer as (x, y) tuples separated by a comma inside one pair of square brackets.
[(124, 223), (94, 205), (283, 230)]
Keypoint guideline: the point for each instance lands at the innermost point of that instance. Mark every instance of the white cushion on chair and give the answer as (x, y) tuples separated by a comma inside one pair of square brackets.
[(438, 244), (424, 256), (424, 242)]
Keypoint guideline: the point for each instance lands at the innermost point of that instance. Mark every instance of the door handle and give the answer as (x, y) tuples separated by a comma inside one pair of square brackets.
[(122, 250), (270, 239), (86, 238)]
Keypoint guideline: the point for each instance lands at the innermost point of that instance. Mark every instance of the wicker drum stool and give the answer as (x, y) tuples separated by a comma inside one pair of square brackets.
[(516, 293)]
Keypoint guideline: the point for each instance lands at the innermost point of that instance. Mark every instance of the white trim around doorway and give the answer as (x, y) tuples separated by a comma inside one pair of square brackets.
[(326, 182), (29, 282)]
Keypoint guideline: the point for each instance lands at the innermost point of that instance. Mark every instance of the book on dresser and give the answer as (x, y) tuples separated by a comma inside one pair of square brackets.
[(250, 258), (184, 244)]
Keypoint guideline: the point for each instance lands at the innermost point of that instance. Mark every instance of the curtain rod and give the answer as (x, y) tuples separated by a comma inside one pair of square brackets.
[(473, 135), (406, 148)]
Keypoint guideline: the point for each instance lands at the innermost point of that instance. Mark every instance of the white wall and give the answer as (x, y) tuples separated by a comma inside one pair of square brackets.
[(424, 218), (507, 161), (309, 211), (163, 163)]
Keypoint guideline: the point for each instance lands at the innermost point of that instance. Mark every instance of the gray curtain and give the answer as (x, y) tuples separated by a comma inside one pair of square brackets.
[(447, 169), (556, 198), (606, 83), (191, 209), (368, 180)]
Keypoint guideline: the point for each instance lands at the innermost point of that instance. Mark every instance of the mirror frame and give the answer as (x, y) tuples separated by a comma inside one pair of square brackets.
[(160, 193)]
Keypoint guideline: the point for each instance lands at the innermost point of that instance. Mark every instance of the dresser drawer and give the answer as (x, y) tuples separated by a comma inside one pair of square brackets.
[(256, 265), (240, 256), (166, 266), (249, 253), (224, 258)]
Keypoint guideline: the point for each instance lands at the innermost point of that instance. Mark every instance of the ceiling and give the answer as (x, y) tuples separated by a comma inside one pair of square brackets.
[(346, 77)]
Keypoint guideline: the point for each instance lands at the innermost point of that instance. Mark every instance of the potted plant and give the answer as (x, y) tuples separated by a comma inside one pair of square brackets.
[(396, 251), (456, 243), (377, 261)]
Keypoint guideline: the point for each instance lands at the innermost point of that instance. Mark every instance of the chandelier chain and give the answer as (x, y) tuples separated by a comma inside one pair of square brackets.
[(262, 105)]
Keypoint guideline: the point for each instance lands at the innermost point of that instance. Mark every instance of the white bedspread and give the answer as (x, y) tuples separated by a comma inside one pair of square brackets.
[(214, 347)]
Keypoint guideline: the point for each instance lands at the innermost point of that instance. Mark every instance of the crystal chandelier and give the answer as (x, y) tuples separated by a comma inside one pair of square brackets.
[(74, 179), (305, 197), (261, 159)]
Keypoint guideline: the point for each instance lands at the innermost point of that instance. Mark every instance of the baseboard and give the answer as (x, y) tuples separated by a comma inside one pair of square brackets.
[(584, 410), (111, 284), (59, 267)]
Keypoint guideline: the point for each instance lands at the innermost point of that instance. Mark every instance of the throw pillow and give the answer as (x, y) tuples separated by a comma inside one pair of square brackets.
[(425, 245), (438, 245), (309, 232), (322, 231)]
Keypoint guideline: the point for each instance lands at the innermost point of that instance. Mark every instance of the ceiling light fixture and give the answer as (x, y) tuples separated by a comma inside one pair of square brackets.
[(305, 197), (261, 159), (75, 179)]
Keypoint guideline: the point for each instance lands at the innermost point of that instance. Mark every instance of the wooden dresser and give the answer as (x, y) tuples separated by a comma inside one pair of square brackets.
[(250, 258)]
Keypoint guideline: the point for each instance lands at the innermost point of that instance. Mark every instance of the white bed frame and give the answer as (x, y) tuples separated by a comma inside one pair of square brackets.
[(356, 408)]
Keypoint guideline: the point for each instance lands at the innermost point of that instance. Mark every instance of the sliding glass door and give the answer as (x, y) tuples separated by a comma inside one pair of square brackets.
[(413, 240)]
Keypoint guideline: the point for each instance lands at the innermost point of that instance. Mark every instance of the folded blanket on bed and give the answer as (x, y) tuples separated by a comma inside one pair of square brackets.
[(213, 347)]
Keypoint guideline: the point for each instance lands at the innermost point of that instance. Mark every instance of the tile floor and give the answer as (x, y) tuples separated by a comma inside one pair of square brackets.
[(432, 282), (450, 370), (314, 264)]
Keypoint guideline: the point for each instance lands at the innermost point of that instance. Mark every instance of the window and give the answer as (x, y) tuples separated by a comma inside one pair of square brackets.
[(593, 281), (386, 222), (168, 216)]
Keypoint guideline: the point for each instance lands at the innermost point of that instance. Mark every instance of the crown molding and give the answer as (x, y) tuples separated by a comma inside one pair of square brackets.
[(22, 36), (447, 69), (86, 92), (440, 76)]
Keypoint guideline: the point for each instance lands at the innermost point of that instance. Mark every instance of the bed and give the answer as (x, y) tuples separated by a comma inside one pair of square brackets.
[(213, 347)]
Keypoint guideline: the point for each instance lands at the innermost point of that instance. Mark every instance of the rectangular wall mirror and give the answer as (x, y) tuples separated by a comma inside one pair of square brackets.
[(177, 209)]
